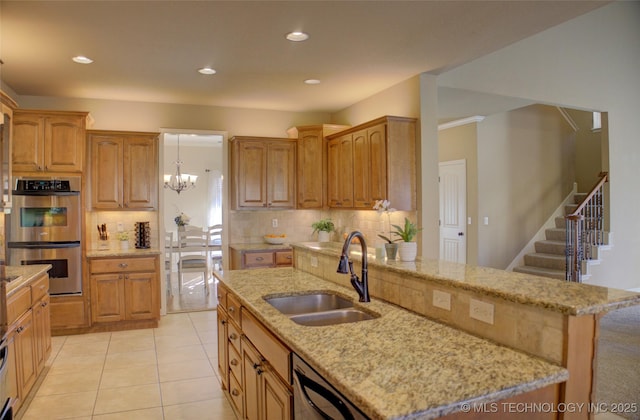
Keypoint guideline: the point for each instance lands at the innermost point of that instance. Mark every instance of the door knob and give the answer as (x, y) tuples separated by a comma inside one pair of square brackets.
[(460, 233)]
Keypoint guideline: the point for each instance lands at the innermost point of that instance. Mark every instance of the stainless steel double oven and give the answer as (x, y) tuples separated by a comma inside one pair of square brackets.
[(45, 228)]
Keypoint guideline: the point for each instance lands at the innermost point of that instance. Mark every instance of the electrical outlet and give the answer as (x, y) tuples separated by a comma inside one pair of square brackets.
[(274, 223), (482, 311), (120, 227), (314, 262), (442, 300)]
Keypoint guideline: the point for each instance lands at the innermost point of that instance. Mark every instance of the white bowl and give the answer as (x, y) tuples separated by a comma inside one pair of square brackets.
[(274, 240)]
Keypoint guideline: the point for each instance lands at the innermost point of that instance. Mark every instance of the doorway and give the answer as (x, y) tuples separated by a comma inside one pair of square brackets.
[(201, 154)]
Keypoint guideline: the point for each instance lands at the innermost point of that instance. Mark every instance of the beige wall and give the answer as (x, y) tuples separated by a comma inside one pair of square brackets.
[(544, 68), (461, 143)]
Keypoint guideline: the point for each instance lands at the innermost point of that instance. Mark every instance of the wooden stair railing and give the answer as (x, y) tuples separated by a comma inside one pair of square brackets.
[(584, 228)]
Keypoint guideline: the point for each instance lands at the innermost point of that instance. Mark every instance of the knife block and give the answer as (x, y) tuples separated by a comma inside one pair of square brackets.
[(143, 235)]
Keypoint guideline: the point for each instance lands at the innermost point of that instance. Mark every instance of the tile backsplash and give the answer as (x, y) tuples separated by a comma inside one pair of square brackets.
[(128, 220)]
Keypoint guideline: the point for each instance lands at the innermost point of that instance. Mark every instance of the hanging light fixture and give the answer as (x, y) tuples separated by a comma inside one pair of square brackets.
[(179, 182)]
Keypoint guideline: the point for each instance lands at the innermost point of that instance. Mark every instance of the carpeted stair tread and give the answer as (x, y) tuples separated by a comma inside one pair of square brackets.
[(550, 247), (544, 260), (544, 272)]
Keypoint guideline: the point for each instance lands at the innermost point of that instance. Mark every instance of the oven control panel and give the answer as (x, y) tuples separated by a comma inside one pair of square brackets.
[(42, 185)]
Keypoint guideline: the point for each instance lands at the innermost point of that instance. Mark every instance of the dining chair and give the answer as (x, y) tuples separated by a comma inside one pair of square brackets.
[(215, 245), (193, 256), (168, 255)]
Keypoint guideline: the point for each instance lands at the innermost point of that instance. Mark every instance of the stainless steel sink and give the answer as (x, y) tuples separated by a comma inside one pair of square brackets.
[(339, 316), (319, 309), (303, 304)]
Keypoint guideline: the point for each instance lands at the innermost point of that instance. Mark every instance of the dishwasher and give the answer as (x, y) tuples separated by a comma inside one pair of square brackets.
[(316, 399)]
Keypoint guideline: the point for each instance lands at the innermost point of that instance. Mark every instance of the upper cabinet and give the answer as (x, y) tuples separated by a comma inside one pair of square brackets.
[(49, 141), (124, 170), (311, 171), (373, 161), (263, 173)]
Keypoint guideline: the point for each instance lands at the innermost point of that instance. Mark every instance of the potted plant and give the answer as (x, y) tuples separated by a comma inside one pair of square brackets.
[(407, 249), (324, 227), (123, 237), (390, 247)]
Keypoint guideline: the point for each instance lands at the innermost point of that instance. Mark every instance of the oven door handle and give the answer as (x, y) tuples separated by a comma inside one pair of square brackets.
[(305, 382), (45, 193), (43, 245)]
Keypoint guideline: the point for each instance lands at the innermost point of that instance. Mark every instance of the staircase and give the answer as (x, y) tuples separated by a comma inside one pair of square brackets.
[(549, 258)]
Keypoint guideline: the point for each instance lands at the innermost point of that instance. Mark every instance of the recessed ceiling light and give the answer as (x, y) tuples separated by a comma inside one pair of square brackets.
[(207, 70), (81, 59), (297, 36), (312, 81)]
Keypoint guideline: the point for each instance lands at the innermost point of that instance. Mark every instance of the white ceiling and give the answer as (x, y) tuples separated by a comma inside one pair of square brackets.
[(149, 51)]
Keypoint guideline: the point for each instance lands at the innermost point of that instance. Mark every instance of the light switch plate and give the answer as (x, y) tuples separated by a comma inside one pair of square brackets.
[(274, 223), (442, 300), (314, 261), (482, 311)]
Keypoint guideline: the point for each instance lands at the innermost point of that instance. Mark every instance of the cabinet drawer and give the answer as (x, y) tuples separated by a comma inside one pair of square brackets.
[(233, 308), (235, 390), (284, 258), (267, 344), (258, 259), (235, 363), (121, 265), (222, 297), (234, 337), (18, 303), (39, 288)]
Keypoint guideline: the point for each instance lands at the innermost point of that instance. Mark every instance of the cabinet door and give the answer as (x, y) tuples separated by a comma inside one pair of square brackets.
[(340, 172), (361, 170), (26, 352), (42, 320), (28, 143), (140, 176), (106, 172), (141, 301), (276, 398), (64, 143), (11, 383), (252, 370), (223, 351), (281, 173), (310, 169), (250, 162), (107, 297)]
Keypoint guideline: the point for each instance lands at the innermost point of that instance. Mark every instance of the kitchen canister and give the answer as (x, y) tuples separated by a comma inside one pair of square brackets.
[(143, 235)]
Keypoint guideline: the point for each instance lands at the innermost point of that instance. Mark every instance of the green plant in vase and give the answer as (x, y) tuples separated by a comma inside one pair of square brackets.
[(408, 249), (324, 227)]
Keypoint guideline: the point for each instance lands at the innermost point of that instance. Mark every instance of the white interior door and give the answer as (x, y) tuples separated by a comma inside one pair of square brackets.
[(453, 210)]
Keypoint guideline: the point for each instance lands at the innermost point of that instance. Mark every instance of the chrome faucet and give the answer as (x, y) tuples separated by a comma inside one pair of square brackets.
[(361, 286)]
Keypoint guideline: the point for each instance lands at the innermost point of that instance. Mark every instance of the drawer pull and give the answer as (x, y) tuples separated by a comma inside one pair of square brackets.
[(235, 392), (123, 265), (233, 362), (260, 259)]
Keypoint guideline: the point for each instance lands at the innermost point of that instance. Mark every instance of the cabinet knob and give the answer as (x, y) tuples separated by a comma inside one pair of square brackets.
[(123, 265), (259, 259), (233, 336), (233, 362), (231, 309), (223, 322), (235, 392), (43, 304)]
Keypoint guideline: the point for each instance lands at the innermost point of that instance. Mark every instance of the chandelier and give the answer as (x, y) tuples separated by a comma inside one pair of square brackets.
[(179, 182)]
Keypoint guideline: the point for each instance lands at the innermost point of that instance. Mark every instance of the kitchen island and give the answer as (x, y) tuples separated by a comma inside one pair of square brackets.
[(399, 364)]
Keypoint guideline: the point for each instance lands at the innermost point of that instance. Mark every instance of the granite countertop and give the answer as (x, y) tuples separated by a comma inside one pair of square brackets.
[(557, 295), (397, 366), (117, 252), (23, 275), (260, 247)]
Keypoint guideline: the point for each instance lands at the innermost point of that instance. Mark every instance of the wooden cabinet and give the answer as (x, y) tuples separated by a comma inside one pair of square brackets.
[(260, 258), (29, 336), (124, 170), (373, 161), (49, 141), (255, 362), (263, 173), (124, 289), (311, 162)]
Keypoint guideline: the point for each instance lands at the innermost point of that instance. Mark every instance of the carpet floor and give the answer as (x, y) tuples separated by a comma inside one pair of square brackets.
[(618, 361)]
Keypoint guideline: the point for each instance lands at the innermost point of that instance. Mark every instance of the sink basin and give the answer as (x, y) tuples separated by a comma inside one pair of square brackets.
[(318, 309), (334, 317), (303, 304)]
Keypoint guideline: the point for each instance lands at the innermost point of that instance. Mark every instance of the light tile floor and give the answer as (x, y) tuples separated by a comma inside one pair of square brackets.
[(167, 373)]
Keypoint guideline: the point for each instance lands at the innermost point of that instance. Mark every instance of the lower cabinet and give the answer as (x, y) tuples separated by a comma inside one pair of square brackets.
[(261, 258), (29, 337), (124, 289), (254, 364)]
